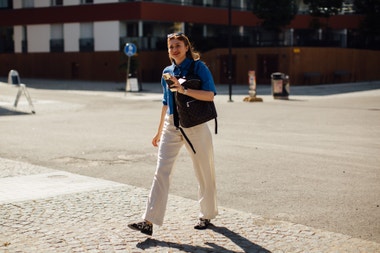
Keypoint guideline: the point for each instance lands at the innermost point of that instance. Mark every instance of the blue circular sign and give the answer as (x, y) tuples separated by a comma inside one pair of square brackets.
[(130, 49)]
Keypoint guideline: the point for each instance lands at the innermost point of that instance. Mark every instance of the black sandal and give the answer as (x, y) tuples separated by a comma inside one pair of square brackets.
[(144, 227), (202, 224)]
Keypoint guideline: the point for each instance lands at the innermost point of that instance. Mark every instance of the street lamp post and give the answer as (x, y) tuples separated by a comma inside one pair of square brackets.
[(229, 52)]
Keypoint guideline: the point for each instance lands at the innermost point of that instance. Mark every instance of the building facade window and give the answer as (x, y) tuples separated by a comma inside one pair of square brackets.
[(6, 4), (6, 40), (56, 2), (24, 42), (86, 1), (147, 35), (86, 40), (56, 38), (235, 4), (27, 3), (129, 33)]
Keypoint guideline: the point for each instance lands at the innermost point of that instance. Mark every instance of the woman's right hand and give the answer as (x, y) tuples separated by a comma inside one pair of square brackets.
[(156, 140)]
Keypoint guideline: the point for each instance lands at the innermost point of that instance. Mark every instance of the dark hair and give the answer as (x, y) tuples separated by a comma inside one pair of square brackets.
[(191, 53)]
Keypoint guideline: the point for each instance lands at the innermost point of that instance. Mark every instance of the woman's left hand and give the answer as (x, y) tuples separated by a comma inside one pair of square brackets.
[(176, 86)]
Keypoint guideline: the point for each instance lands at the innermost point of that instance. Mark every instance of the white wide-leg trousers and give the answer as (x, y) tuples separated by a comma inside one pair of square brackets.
[(203, 163)]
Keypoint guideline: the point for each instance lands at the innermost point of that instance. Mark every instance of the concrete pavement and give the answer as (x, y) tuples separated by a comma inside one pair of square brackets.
[(51, 210), (46, 210)]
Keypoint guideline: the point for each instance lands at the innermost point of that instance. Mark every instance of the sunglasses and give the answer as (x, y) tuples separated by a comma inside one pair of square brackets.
[(171, 35)]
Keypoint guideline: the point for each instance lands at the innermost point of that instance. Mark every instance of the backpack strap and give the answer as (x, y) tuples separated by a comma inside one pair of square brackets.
[(191, 69), (176, 124)]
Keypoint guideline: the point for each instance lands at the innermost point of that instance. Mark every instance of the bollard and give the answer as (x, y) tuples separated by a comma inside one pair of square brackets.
[(14, 78), (252, 88)]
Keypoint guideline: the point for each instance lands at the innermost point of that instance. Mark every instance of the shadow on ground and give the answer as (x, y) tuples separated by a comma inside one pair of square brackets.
[(9, 112), (242, 242)]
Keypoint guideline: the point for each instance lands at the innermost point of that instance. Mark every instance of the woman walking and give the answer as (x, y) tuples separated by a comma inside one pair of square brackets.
[(170, 140)]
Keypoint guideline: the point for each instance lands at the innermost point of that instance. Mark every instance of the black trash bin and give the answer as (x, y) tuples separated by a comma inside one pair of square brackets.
[(280, 85)]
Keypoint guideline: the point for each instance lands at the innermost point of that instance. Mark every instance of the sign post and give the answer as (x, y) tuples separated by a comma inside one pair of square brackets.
[(130, 50), (14, 78)]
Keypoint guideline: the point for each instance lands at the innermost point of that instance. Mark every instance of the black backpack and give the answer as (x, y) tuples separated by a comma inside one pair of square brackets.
[(188, 111)]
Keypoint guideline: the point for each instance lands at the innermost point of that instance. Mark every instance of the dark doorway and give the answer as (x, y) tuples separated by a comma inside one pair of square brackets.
[(74, 70), (266, 65), (224, 69)]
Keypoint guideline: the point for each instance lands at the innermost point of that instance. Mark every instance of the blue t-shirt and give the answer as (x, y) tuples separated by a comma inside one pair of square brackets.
[(200, 69)]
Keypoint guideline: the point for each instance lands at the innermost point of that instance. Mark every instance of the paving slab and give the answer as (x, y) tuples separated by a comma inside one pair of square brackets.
[(92, 214)]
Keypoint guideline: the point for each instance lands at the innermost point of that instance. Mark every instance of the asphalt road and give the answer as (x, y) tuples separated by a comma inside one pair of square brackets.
[(312, 160)]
